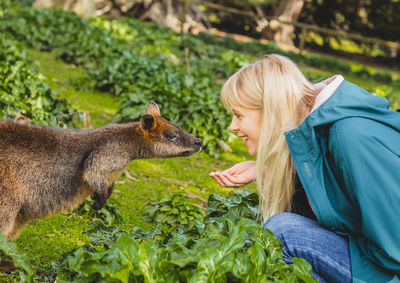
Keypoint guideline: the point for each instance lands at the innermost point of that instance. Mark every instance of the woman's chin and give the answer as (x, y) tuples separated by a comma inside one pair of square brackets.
[(252, 151)]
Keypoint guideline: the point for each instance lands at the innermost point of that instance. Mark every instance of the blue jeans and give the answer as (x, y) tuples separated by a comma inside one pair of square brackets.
[(327, 252)]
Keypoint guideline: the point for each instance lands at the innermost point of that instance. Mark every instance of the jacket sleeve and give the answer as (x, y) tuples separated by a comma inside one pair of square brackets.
[(366, 155)]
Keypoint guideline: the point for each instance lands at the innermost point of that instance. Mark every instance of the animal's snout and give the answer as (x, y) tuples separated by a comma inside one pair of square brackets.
[(197, 142)]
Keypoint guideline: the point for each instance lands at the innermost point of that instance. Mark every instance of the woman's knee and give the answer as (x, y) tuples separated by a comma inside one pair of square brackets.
[(280, 222), (285, 224)]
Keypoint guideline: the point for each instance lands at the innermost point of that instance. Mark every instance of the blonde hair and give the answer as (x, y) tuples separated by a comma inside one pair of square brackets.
[(277, 87)]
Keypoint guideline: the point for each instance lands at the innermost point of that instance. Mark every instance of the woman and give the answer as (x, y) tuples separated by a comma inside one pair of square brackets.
[(327, 168)]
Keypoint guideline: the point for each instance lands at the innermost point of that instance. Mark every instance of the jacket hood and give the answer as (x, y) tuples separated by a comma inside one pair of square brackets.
[(348, 101)]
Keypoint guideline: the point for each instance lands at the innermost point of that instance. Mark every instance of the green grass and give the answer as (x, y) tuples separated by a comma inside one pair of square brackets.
[(63, 78)]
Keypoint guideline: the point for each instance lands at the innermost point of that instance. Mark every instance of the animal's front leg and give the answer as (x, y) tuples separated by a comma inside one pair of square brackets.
[(101, 170), (97, 182), (99, 200)]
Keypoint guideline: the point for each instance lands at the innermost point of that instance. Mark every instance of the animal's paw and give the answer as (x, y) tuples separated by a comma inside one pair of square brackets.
[(97, 205), (98, 201)]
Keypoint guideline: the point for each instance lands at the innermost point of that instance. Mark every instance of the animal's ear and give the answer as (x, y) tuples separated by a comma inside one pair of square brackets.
[(153, 109), (148, 122)]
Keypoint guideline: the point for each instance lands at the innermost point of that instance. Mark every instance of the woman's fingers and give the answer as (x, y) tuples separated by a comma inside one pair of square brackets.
[(229, 178), (216, 178), (232, 171), (225, 180), (240, 179), (237, 176)]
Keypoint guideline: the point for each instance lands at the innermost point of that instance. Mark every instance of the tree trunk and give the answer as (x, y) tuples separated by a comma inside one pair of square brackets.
[(180, 16), (288, 10), (84, 8), (177, 15)]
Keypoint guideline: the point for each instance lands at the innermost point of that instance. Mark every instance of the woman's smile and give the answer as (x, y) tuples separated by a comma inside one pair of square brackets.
[(247, 124)]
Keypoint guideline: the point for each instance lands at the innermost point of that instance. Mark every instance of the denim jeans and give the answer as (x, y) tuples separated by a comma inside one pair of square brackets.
[(327, 252)]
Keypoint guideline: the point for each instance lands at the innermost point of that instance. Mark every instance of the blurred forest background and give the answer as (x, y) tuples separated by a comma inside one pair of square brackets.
[(364, 29)]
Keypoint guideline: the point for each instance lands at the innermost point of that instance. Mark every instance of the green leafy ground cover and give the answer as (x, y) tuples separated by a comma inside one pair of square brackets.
[(23, 95), (105, 91), (225, 244)]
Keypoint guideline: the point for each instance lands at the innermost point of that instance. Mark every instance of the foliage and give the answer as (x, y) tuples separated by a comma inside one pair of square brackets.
[(48, 30), (311, 60), (369, 18), (23, 95), (226, 245), (109, 213), (19, 258), (173, 210), (243, 205), (388, 93)]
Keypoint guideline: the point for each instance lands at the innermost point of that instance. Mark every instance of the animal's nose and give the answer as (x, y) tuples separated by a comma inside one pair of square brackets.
[(197, 142)]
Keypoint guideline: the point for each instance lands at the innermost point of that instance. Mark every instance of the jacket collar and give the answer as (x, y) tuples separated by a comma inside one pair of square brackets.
[(326, 89)]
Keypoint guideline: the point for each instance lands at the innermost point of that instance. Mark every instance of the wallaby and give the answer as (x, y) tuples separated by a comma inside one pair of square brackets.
[(44, 171)]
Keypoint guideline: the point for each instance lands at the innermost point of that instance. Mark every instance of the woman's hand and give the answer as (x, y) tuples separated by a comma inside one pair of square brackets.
[(237, 176)]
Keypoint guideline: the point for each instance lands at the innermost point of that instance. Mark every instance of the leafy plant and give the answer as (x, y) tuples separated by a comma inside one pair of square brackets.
[(23, 95), (174, 210), (226, 245), (109, 213), (243, 205), (19, 258)]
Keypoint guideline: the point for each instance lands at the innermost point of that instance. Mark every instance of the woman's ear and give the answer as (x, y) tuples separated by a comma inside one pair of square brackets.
[(148, 122)]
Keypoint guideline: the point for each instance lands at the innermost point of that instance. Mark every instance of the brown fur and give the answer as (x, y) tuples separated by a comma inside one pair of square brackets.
[(44, 171)]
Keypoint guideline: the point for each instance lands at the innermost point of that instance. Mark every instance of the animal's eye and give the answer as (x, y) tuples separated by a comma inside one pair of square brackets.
[(171, 137)]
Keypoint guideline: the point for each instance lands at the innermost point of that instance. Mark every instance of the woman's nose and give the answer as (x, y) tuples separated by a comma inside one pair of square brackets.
[(233, 127)]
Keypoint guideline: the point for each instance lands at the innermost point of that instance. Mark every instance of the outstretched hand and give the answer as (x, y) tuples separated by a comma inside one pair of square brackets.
[(237, 176)]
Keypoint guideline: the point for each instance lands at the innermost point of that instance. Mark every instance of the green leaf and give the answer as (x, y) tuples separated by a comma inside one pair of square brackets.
[(19, 258)]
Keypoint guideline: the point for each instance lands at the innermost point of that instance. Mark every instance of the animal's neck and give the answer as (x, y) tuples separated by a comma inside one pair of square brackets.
[(124, 140), (142, 148)]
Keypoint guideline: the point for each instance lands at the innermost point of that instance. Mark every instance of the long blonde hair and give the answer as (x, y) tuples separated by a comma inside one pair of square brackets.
[(277, 87)]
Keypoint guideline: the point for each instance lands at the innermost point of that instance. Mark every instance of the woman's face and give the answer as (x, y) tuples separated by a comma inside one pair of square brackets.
[(247, 124)]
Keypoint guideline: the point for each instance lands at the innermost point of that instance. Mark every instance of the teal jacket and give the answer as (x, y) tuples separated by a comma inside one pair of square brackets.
[(347, 156)]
